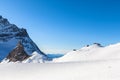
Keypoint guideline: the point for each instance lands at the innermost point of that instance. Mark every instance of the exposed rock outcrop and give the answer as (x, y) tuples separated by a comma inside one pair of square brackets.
[(17, 54)]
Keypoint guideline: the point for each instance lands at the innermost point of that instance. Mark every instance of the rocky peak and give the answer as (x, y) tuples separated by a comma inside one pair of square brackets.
[(0, 17), (97, 44), (17, 54), (3, 21), (9, 31), (20, 45)]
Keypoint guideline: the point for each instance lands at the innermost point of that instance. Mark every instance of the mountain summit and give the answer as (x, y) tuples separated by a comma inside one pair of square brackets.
[(10, 35)]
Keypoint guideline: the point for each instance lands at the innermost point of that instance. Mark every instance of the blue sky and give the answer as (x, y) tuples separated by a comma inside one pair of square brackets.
[(58, 26)]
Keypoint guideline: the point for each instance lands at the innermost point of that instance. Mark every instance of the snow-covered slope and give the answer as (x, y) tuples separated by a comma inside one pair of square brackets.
[(10, 34), (35, 58), (89, 70), (93, 52)]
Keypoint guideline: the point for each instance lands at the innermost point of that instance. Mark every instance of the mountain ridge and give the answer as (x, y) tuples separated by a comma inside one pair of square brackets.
[(10, 35)]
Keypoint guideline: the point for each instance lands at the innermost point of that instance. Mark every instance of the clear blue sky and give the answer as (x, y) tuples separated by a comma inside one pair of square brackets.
[(61, 25)]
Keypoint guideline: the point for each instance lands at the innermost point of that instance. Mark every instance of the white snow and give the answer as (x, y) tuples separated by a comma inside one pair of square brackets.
[(86, 70), (91, 53), (35, 58)]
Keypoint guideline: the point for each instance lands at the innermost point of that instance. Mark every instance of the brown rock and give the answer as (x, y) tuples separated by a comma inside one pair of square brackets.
[(18, 54)]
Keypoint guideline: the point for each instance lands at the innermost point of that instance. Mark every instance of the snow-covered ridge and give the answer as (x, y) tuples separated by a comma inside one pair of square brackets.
[(91, 53)]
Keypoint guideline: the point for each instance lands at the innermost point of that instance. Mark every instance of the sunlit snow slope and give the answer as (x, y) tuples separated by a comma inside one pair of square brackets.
[(93, 52)]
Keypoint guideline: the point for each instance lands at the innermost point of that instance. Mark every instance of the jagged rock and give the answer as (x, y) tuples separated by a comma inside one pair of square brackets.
[(74, 49), (22, 33), (4, 21), (17, 54), (0, 17), (87, 45), (98, 44)]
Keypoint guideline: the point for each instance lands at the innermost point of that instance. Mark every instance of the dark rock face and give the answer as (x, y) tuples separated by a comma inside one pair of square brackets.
[(22, 33), (87, 46), (0, 17), (98, 44), (3, 21), (17, 54), (74, 50)]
